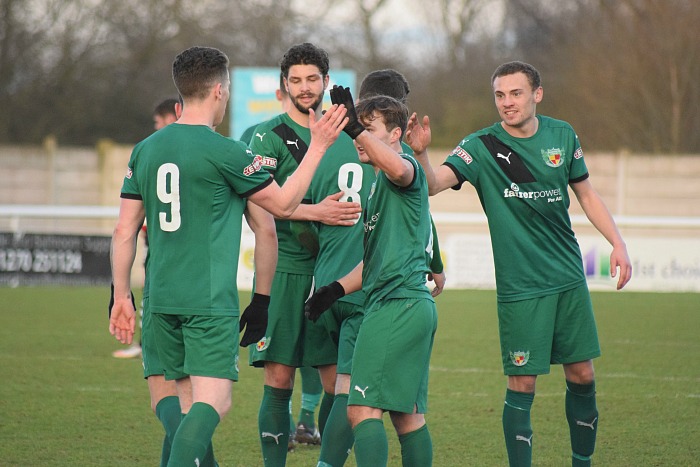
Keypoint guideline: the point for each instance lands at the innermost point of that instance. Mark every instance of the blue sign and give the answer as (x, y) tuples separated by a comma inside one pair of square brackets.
[(253, 97)]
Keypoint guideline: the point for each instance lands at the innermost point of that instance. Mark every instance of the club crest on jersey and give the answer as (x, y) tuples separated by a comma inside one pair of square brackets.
[(262, 344), (462, 154), (519, 358), (129, 173), (553, 157)]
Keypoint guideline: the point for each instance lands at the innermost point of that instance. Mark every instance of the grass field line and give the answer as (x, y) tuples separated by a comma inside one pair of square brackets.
[(463, 370), (671, 343), (681, 379)]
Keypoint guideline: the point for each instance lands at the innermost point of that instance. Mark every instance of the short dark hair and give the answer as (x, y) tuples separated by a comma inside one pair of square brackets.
[(393, 112), (510, 68), (386, 82), (197, 69), (304, 54), (283, 88), (166, 107)]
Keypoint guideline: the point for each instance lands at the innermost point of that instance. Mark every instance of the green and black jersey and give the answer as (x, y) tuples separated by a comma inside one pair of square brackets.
[(280, 144), (522, 185)]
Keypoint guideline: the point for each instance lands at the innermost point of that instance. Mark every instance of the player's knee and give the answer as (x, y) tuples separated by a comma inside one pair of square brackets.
[(360, 413), (407, 423), (522, 383), (342, 384), (279, 376), (580, 372), (224, 408)]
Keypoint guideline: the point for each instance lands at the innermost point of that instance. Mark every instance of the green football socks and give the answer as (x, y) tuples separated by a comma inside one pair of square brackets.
[(193, 437), (337, 439), (168, 412), (311, 392), (371, 444), (417, 448), (582, 415), (273, 423), (325, 410), (517, 428)]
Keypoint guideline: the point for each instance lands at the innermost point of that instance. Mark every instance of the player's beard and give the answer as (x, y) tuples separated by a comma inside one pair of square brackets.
[(305, 110)]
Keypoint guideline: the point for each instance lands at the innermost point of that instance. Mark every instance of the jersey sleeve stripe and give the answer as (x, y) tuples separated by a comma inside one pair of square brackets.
[(264, 184), (459, 176), (579, 179)]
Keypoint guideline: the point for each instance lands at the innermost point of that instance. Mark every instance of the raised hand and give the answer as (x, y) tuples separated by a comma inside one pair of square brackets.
[(327, 129), (342, 96), (418, 136)]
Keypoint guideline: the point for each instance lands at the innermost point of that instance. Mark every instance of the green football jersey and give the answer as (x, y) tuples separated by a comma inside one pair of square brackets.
[(248, 134), (193, 182), (522, 185), (281, 144), (341, 248), (398, 239)]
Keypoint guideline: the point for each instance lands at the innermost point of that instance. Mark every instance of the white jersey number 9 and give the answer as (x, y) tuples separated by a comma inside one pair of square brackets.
[(171, 197)]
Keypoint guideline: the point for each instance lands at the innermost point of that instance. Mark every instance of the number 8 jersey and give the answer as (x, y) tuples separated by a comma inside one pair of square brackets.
[(193, 183)]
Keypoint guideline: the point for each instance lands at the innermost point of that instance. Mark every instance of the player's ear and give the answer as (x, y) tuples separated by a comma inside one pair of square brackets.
[(326, 80), (395, 134), (218, 92), (539, 95)]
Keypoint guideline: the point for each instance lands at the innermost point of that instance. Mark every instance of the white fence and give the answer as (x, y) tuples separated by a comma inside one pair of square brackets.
[(665, 251)]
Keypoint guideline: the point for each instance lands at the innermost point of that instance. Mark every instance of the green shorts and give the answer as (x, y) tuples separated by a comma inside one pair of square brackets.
[(542, 331), (149, 350), (197, 345), (284, 340), (392, 355), (341, 323)]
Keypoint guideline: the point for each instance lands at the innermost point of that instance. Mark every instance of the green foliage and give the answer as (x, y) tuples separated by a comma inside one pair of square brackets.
[(65, 401)]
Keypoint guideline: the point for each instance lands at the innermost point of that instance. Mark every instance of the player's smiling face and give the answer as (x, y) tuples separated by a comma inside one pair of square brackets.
[(516, 101), (375, 125), (306, 85)]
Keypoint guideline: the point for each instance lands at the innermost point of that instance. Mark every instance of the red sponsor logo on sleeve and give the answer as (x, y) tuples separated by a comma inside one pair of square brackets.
[(462, 154)]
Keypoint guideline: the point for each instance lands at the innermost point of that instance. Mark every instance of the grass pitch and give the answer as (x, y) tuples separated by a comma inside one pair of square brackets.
[(65, 401)]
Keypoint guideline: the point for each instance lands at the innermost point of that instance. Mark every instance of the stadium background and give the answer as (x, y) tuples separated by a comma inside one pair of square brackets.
[(655, 200)]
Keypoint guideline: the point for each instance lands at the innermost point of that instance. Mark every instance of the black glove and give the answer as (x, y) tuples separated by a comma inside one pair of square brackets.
[(341, 95), (111, 300), (254, 320), (322, 300)]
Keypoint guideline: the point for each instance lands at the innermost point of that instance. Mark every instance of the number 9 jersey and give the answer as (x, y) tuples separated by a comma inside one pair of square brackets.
[(193, 183)]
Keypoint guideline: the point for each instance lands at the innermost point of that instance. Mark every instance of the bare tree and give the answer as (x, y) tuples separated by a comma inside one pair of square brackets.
[(620, 71)]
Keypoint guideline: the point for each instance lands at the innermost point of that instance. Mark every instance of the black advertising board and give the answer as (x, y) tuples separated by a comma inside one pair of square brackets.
[(48, 259)]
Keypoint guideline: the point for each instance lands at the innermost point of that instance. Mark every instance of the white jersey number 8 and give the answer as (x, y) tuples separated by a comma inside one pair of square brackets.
[(351, 191), (171, 197)]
